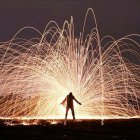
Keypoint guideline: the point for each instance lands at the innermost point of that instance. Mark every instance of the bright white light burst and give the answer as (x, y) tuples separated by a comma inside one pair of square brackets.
[(37, 74)]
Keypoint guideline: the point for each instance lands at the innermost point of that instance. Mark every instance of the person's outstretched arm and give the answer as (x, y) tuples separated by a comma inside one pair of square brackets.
[(76, 100), (63, 101)]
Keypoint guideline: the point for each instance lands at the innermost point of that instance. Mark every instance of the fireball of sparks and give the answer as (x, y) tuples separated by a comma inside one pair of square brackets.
[(38, 73)]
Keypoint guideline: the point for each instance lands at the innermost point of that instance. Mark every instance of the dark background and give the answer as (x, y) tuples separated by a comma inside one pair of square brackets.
[(115, 17), (79, 130)]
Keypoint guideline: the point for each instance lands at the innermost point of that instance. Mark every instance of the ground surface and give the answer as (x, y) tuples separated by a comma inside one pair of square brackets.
[(79, 130)]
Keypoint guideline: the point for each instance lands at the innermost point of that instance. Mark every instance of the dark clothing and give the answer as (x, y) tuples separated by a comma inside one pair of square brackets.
[(69, 100), (72, 111)]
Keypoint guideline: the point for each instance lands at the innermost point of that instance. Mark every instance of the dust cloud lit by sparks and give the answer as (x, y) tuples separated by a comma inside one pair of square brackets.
[(36, 74)]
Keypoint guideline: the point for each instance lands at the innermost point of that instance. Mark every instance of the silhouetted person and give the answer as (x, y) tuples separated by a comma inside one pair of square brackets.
[(69, 104)]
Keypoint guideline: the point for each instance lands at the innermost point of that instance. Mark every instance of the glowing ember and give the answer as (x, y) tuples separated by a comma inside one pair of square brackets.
[(37, 74)]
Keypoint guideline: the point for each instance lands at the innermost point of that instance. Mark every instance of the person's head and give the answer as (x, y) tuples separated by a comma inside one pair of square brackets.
[(70, 93)]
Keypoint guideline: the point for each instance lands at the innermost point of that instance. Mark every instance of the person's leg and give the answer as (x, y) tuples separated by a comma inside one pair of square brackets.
[(67, 109), (73, 114)]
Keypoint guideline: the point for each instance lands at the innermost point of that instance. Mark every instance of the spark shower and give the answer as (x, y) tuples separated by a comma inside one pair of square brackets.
[(36, 74)]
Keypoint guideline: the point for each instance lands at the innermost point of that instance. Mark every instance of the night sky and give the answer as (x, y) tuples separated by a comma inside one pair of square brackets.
[(115, 17)]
